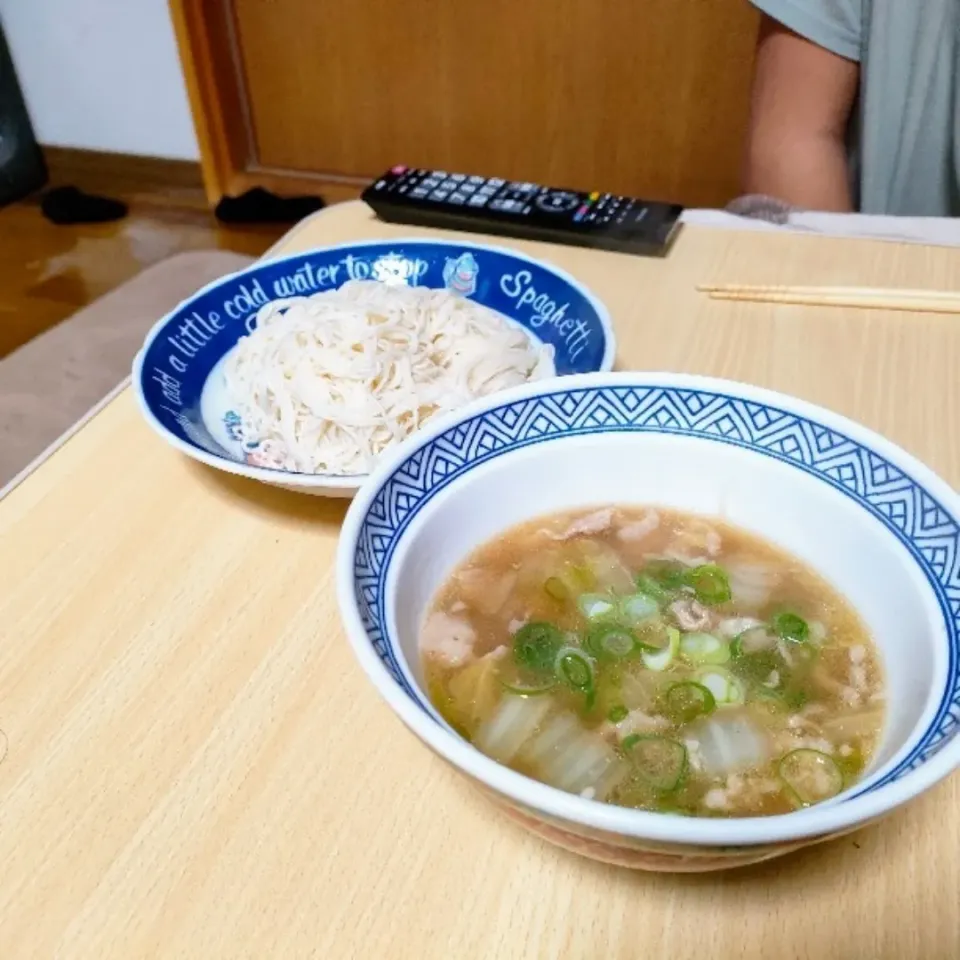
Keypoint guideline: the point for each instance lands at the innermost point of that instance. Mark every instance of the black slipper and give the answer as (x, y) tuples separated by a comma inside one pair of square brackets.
[(69, 205), (261, 206)]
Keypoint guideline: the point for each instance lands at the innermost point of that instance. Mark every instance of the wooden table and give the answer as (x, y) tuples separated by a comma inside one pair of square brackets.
[(197, 768)]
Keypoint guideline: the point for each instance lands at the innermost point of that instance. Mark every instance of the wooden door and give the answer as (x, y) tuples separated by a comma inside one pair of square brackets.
[(648, 97)]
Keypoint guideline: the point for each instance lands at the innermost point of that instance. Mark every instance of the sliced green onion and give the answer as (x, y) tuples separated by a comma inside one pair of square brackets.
[(727, 690), (618, 644), (795, 698), (529, 690), (755, 656), (753, 640), (647, 585), (630, 741), (556, 588), (787, 699), (660, 761), (661, 659), (575, 668), (638, 607), (704, 648), (617, 713), (790, 627), (667, 574), (771, 698), (596, 606), (688, 700), (610, 641), (536, 644), (810, 775), (755, 667), (710, 584), (653, 634)]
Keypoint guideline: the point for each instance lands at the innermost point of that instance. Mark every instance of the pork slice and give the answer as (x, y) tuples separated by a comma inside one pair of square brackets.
[(636, 530), (589, 525), (690, 614), (636, 721), (448, 638), (486, 590)]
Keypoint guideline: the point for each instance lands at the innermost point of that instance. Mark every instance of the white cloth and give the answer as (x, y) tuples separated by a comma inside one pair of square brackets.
[(933, 231)]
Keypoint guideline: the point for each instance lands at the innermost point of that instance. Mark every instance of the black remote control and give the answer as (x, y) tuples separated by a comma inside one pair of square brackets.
[(457, 201)]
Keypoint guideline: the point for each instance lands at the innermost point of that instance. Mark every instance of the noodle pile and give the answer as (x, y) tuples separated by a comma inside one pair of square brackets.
[(324, 384)]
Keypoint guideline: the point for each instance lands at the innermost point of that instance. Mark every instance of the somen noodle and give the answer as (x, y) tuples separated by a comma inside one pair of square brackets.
[(324, 384)]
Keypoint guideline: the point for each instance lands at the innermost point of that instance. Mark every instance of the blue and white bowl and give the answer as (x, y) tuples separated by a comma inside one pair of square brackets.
[(874, 521), (177, 375)]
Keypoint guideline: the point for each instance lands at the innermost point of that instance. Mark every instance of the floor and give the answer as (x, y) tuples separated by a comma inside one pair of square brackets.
[(48, 272)]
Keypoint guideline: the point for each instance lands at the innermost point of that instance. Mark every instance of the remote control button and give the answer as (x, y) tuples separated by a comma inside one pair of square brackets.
[(380, 184), (579, 215), (523, 188), (476, 181), (488, 191), (467, 188), (557, 201), (440, 174), (419, 192), (495, 182), (458, 177), (507, 206), (449, 184), (477, 200), (439, 194), (458, 198), (594, 196), (431, 183), (398, 170)]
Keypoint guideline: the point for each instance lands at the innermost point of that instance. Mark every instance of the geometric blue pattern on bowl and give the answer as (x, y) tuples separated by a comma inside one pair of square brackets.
[(184, 346), (897, 500)]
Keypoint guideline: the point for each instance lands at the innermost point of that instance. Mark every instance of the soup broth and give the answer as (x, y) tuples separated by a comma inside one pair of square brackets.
[(657, 660)]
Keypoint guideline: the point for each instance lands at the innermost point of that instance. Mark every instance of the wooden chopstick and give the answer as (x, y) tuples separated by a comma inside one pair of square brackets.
[(864, 298)]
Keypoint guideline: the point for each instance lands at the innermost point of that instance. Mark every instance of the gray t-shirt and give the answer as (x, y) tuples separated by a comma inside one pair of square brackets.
[(907, 130)]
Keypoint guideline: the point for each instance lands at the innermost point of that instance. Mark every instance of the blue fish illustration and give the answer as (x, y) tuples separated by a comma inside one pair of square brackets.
[(460, 275), (233, 424)]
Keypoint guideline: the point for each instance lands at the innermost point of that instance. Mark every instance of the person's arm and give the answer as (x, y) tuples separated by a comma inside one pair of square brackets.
[(803, 95)]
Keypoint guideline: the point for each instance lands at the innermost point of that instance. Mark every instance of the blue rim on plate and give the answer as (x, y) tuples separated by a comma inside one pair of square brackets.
[(913, 506), (183, 348)]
